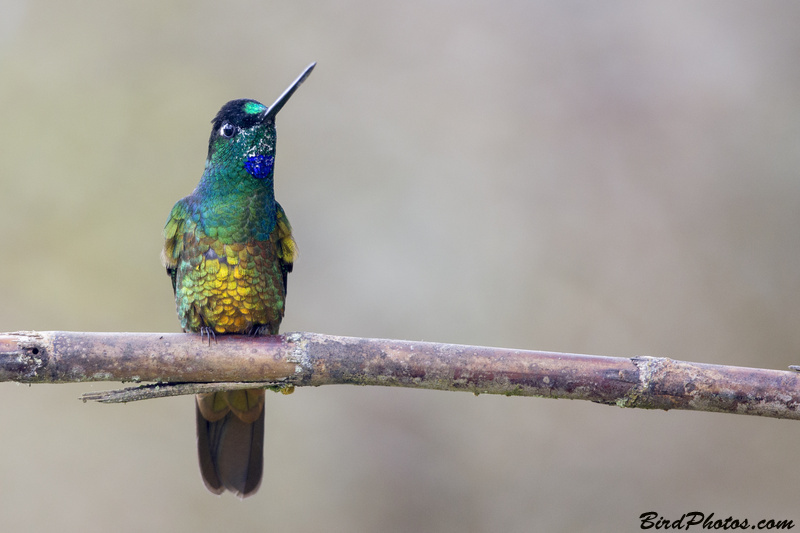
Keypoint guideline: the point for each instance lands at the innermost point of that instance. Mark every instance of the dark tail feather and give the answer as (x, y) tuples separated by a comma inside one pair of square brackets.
[(231, 453)]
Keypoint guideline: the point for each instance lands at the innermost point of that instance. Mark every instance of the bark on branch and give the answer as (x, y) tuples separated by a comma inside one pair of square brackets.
[(181, 363)]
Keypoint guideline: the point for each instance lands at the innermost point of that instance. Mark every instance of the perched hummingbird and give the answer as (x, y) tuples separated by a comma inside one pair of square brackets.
[(228, 248)]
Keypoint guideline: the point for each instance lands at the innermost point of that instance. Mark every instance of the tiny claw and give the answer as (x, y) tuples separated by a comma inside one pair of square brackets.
[(209, 332), (258, 330)]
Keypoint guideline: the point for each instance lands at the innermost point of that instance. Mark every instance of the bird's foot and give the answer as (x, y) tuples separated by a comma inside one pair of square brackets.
[(258, 330), (208, 332)]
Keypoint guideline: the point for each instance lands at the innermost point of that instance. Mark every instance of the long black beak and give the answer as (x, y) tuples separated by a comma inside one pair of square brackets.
[(282, 99)]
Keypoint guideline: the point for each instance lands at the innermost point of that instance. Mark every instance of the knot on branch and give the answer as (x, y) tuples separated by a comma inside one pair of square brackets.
[(651, 373), (22, 355)]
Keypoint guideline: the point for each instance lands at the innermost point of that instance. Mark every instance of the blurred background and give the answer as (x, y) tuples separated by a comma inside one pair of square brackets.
[(615, 178)]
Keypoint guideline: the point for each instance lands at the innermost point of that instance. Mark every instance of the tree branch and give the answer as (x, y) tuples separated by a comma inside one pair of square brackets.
[(186, 364)]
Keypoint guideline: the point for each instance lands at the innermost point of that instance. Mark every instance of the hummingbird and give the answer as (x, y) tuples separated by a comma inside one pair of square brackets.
[(228, 248)]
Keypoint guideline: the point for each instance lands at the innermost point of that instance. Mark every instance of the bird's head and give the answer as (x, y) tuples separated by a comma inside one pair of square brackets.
[(243, 133)]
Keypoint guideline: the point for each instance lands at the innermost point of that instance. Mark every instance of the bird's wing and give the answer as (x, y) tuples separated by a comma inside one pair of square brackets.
[(287, 247), (174, 231)]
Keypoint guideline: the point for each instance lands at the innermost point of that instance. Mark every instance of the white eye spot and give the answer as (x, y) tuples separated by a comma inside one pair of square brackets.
[(228, 130)]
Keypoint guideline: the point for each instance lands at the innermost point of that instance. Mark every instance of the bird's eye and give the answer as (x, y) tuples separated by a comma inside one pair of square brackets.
[(228, 130)]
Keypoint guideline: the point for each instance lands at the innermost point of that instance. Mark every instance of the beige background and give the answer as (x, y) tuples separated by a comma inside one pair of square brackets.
[(616, 178)]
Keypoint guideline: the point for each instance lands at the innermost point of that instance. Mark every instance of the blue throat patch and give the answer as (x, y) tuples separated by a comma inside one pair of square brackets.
[(260, 166)]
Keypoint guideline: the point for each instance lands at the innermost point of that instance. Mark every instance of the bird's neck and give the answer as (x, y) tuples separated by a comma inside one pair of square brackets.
[(235, 207)]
